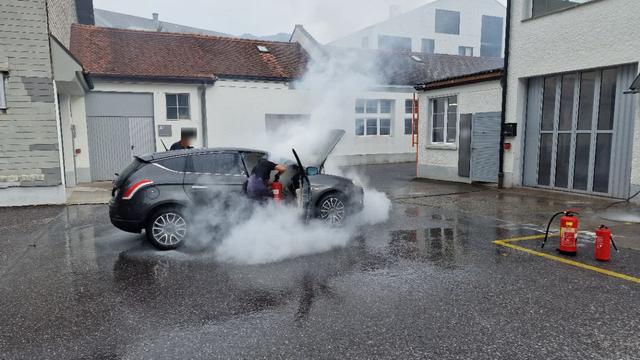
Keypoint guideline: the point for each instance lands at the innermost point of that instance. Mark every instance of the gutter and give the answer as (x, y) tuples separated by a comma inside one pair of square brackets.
[(503, 117), (203, 108)]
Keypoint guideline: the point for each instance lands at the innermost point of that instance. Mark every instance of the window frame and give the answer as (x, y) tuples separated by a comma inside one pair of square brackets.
[(449, 12), (432, 114), (363, 118), (555, 11), (408, 116), (425, 41), (3, 91), (395, 39), (462, 50), (177, 106)]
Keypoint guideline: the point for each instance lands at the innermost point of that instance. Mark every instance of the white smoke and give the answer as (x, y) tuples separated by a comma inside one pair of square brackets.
[(248, 234)]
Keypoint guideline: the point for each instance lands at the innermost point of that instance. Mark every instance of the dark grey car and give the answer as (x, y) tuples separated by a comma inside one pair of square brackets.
[(155, 191)]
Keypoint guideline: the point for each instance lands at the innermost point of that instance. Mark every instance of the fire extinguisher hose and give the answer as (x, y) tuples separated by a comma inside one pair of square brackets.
[(614, 244), (546, 234)]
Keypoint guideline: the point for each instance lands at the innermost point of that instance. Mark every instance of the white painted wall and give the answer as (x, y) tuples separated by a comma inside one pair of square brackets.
[(593, 35), (438, 161), (419, 24), (79, 120), (236, 111)]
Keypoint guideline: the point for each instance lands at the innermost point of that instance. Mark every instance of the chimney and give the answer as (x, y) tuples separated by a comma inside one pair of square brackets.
[(394, 10), (156, 22), (84, 12)]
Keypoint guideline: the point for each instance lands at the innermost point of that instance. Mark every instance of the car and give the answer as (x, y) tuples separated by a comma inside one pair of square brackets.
[(155, 192)]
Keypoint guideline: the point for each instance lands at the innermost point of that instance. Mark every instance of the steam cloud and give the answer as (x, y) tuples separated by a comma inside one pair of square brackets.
[(248, 234)]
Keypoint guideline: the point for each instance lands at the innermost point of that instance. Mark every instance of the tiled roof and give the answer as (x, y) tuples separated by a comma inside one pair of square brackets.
[(147, 54), (409, 69)]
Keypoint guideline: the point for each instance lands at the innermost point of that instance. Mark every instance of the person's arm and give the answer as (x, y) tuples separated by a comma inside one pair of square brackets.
[(280, 168)]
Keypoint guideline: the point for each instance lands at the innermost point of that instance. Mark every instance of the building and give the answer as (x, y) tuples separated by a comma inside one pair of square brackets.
[(112, 19), (459, 137), (148, 86), (39, 84), (571, 64), (458, 27)]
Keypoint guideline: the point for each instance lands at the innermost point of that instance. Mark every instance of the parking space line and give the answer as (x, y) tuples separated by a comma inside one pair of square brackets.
[(508, 244)]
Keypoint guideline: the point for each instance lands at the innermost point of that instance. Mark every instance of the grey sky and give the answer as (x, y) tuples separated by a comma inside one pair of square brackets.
[(326, 19)]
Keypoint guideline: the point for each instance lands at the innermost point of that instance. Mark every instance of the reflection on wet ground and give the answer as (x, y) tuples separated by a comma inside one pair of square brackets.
[(426, 284)]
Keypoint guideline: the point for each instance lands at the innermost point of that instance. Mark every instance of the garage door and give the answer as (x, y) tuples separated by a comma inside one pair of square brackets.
[(120, 126), (579, 131)]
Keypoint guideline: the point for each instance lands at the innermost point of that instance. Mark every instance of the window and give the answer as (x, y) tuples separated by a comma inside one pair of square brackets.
[(465, 51), (444, 120), (428, 46), (408, 116), (386, 42), (373, 117), (365, 42), (447, 22), (491, 36), (3, 98), (178, 106), (542, 7), (217, 164), (175, 164)]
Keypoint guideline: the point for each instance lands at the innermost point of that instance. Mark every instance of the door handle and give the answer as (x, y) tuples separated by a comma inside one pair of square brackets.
[(199, 187)]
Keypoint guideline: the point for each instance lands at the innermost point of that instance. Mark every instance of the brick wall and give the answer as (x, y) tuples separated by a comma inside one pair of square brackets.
[(28, 134), (62, 13)]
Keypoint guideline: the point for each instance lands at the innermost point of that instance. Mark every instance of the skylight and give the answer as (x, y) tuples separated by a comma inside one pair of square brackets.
[(416, 58), (263, 49)]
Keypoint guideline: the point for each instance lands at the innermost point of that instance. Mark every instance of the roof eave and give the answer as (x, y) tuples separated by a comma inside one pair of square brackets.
[(461, 80)]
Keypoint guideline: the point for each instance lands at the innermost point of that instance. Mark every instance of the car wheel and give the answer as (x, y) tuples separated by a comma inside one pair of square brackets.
[(332, 210), (167, 228)]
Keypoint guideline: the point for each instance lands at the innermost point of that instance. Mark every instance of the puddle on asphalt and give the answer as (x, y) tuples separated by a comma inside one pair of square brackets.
[(442, 245)]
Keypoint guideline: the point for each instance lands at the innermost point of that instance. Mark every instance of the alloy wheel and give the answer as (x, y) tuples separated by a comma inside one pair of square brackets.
[(169, 229), (332, 211)]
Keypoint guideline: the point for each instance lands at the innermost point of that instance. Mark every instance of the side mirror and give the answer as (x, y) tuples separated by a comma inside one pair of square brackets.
[(312, 170)]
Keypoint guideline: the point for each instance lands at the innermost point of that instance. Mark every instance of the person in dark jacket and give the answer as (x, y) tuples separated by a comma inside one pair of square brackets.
[(186, 138), (258, 185)]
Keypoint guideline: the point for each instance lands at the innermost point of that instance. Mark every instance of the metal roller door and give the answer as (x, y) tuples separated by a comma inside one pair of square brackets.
[(485, 146), (120, 126)]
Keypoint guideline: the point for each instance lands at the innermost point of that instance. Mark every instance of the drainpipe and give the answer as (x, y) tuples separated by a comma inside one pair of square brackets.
[(203, 108), (505, 73)]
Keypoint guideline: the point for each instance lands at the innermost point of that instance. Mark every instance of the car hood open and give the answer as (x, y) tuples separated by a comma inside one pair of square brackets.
[(323, 148)]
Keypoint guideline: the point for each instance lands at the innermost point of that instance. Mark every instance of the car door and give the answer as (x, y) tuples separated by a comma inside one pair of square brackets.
[(210, 175), (304, 198)]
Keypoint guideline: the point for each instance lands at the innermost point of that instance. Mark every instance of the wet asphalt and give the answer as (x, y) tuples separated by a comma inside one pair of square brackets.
[(428, 283)]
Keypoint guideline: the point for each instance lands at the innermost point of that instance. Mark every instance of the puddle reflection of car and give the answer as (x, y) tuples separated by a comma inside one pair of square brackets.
[(154, 191)]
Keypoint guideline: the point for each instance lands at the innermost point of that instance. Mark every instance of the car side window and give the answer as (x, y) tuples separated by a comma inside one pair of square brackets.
[(175, 164), (217, 164)]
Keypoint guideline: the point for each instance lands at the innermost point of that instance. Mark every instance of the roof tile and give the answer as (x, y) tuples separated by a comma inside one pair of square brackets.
[(134, 53)]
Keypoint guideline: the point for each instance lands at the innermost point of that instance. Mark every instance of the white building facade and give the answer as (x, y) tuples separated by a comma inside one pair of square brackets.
[(570, 65), (453, 118), (457, 27)]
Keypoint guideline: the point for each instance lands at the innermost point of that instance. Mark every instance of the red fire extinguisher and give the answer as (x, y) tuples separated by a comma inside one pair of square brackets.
[(604, 240), (277, 189), (568, 232)]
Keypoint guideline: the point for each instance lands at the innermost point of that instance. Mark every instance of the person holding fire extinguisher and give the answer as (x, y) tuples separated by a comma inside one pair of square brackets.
[(258, 185)]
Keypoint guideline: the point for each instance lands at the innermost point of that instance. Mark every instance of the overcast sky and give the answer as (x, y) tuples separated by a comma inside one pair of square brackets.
[(325, 19)]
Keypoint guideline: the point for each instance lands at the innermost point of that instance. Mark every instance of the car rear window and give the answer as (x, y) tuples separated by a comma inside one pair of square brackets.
[(175, 164)]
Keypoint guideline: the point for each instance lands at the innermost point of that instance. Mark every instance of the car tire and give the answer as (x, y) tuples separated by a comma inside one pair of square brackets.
[(332, 209), (167, 228)]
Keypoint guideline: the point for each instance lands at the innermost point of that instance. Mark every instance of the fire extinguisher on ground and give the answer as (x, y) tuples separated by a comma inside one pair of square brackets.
[(277, 189), (604, 240), (568, 232)]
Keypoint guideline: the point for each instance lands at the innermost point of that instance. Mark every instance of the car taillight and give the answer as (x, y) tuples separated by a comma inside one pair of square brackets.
[(133, 189)]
